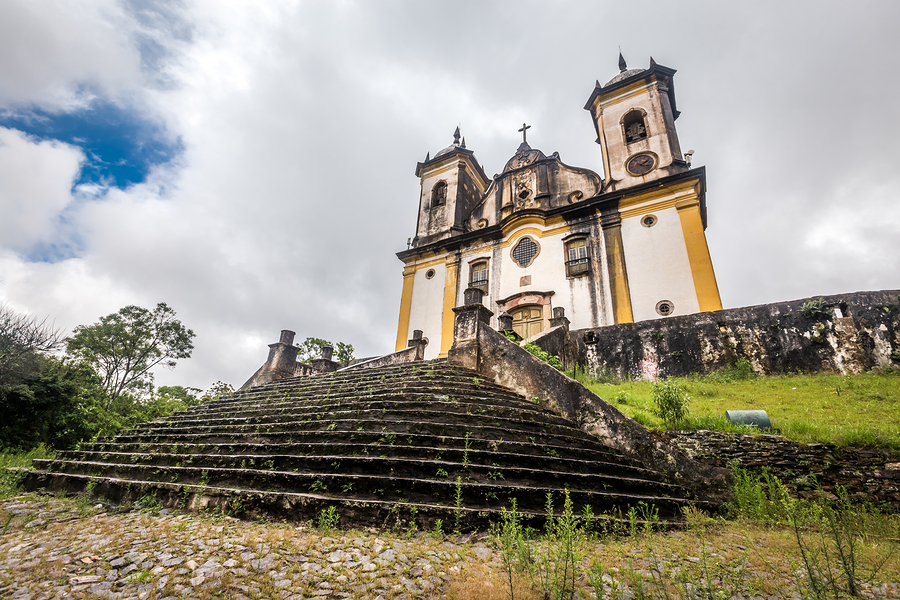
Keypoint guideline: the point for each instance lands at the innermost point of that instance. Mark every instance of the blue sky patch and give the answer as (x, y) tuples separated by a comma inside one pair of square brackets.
[(120, 146)]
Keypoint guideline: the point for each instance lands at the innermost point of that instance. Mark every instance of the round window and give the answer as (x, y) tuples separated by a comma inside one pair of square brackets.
[(665, 307), (649, 220), (429, 273)]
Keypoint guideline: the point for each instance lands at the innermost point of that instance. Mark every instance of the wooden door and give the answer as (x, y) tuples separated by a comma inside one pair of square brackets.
[(528, 320)]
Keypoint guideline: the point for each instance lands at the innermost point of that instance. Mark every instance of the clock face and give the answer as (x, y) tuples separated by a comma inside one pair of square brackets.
[(640, 164)]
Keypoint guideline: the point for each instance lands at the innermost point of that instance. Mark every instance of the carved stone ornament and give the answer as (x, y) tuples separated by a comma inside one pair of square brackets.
[(523, 186), (524, 159)]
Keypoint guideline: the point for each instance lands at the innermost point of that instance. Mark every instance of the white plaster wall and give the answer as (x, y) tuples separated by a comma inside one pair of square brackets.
[(427, 307), (657, 264), (548, 273)]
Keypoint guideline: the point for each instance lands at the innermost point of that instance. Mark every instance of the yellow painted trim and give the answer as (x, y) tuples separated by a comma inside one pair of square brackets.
[(531, 220), (535, 232), (621, 294), (424, 264), (698, 255), (409, 274), (675, 190), (449, 317), (637, 88), (657, 206)]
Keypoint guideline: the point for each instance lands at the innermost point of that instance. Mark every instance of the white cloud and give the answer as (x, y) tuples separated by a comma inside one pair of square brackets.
[(57, 53), (302, 123), (36, 179)]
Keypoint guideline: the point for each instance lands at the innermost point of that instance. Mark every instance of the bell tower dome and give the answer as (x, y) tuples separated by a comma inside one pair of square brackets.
[(634, 116)]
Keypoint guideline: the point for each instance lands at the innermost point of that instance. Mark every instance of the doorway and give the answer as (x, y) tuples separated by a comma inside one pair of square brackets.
[(528, 320)]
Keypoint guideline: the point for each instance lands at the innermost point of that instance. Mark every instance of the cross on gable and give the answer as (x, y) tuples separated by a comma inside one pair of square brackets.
[(524, 130)]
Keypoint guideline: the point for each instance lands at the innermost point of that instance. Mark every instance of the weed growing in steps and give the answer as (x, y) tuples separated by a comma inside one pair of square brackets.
[(457, 505), (329, 519)]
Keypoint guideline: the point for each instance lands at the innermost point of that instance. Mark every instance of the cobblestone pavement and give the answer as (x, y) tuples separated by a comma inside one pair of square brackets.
[(59, 548), (50, 549)]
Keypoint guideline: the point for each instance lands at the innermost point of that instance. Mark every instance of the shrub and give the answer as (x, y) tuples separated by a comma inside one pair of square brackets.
[(548, 358), (815, 309), (742, 370), (671, 401)]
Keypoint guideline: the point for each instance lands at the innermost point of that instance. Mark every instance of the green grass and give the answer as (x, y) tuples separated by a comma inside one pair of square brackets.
[(847, 410), (11, 460)]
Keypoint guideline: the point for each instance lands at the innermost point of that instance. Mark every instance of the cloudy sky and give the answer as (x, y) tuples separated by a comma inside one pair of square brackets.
[(252, 163)]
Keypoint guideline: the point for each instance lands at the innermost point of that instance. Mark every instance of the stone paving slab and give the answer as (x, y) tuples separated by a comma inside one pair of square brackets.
[(53, 549), (70, 548)]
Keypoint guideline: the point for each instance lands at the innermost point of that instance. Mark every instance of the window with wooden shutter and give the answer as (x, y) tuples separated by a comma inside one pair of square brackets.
[(577, 260), (478, 276)]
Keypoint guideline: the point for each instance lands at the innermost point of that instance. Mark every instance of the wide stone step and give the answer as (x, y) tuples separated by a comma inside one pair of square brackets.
[(426, 441), (462, 411), (252, 504), (440, 464), (393, 431), (421, 447), (518, 423), (416, 393), (386, 398), (395, 487)]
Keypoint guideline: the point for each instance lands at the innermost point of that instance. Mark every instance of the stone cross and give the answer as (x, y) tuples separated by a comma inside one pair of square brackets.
[(524, 131)]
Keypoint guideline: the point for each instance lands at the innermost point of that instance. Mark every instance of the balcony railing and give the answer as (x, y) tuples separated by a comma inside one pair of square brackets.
[(579, 266)]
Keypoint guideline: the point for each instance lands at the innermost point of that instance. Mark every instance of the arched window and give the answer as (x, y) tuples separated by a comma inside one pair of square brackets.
[(439, 194), (634, 125), (478, 276), (577, 262)]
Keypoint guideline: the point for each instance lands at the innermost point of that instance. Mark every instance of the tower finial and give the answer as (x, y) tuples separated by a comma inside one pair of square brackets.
[(622, 64), (463, 145), (456, 136), (524, 131)]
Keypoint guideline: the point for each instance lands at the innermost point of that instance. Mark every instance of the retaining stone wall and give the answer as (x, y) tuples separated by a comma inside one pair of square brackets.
[(867, 474), (860, 332)]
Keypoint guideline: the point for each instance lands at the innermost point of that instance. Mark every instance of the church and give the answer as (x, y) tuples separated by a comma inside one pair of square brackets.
[(624, 247)]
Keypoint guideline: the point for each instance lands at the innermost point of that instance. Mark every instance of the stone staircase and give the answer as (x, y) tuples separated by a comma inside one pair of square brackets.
[(399, 445)]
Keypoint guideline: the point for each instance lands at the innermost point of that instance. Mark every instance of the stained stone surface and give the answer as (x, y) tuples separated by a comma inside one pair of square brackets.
[(397, 445)]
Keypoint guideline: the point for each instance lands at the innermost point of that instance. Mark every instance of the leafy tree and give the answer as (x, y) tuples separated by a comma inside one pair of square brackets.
[(217, 390), (343, 353), (22, 339), (311, 349), (55, 406), (124, 346), (188, 396)]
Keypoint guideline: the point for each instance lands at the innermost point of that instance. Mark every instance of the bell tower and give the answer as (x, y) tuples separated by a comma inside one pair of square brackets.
[(634, 116), (452, 183)]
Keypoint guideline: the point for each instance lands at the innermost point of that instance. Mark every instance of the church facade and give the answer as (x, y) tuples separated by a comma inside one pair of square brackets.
[(630, 246)]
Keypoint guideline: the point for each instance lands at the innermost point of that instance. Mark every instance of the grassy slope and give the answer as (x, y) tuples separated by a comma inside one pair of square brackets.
[(849, 410)]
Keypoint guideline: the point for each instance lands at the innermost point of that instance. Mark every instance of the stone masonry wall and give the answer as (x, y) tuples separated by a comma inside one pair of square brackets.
[(860, 332), (867, 474)]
